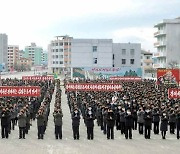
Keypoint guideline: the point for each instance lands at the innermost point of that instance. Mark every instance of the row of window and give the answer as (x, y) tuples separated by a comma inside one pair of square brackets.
[(57, 62), (61, 44), (57, 56), (124, 61), (132, 52)]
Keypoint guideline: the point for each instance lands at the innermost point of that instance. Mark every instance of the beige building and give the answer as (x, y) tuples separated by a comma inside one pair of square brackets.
[(13, 56), (59, 54), (147, 64), (24, 64)]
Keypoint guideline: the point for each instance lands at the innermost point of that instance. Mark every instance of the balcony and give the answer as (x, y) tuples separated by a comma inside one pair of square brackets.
[(159, 33), (160, 54), (147, 61), (159, 65), (159, 44)]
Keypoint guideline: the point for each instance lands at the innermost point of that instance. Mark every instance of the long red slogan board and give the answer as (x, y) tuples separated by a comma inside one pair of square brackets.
[(20, 91)]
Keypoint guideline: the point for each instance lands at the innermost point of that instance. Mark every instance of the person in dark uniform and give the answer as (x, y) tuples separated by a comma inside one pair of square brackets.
[(147, 123), (58, 123), (156, 120), (105, 112), (4, 123), (172, 121), (178, 124), (122, 120), (90, 117), (40, 124), (110, 124), (76, 123), (128, 124), (164, 125)]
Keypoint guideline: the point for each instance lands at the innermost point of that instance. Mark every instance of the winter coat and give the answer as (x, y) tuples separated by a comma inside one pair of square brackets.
[(122, 116), (22, 120), (178, 120), (140, 117), (90, 120), (148, 119), (164, 124), (156, 117), (58, 119), (75, 119), (5, 118), (128, 120), (110, 119), (40, 120), (172, 118)]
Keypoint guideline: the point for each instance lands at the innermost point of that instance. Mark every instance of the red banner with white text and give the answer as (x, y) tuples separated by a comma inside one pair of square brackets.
[(120, 78), (42, 78), (173, 93), (21, 91), (93, 87)]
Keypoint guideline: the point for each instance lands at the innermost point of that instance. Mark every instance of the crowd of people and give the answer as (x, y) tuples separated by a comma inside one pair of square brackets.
[(22, 110), (139, 106)]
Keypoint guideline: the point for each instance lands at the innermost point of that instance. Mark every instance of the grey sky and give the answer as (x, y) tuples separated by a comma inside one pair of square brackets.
[(26, 21)]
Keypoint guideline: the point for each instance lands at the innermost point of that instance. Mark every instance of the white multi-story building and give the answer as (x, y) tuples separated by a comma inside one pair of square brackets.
[(13, 56), (59, 54), (127, 55), (3, 50), (168, 43), (91, 53)]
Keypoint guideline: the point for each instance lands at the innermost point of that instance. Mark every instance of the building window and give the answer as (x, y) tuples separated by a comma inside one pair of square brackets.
[(53, 62), (147, 57), (123, 51), (94, 60), (56, 62), (94, 48), (56, 50), (132, 52), (66, 43), (56, 44), (123, 61), (56, 56), (61, 56), (61, 50), (131, 61), (61, 44), (141, 64), (61, 62)]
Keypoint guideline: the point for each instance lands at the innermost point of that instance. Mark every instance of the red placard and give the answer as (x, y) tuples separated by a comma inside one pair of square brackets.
[(120, 78), (168, 76), (93, 87), (173, 93), (19, 91), (38, 78)]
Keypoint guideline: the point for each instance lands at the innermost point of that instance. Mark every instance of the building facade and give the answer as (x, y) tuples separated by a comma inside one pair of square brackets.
[(59, 54), (147, 64), (13, 56), (24, 64), (91, 52), (34, 53), (3, 51), (126, 55), (168, 43), (44, 58)]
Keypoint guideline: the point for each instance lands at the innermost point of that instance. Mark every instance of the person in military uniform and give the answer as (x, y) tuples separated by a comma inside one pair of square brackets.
[(75, 123)]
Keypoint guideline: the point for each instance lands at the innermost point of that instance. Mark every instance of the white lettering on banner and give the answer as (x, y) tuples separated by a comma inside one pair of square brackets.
[(34, 91)]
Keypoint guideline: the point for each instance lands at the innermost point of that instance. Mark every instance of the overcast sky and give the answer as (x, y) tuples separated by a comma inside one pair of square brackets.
[(26, 21)]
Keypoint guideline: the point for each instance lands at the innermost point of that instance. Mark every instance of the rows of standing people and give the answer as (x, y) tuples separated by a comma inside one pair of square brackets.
[(139, 106)]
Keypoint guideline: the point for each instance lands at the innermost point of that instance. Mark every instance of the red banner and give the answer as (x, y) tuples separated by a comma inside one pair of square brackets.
[(20, 91), (93, 87), (168, 76), (173, 93), (38, 78), (120, 78)]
